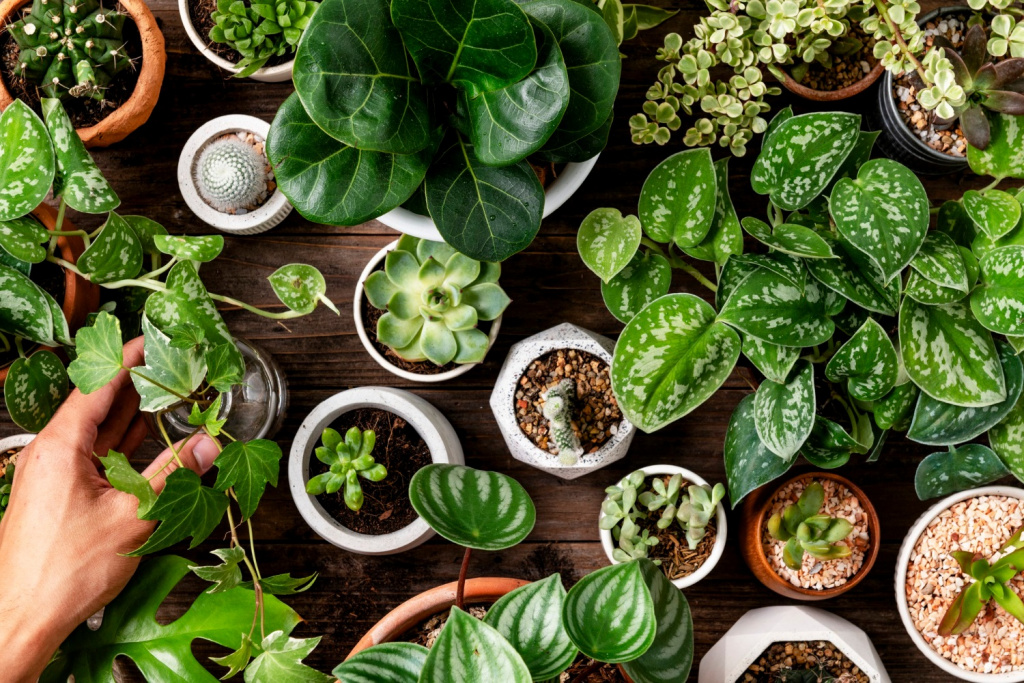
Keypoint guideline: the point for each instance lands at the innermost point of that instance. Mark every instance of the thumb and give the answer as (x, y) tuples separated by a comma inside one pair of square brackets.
[(197, 455)]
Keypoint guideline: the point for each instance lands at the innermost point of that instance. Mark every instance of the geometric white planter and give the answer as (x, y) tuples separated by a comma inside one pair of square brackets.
[(9, 443), (428, 422), (270, 74), (721, 527), (564, 336), (555, 194), (357, 312), (742, 644), (909, 541), (269, 214)]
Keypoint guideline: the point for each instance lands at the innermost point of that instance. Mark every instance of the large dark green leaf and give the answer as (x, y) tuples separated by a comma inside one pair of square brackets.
[(34, 389), (485, 212), (645, 278), (115, 254), (578, 150), (748, 462), (24, 310), (771, 308), (830, 445), (27, 165), (1004, 156), (353, 76), (999, 302), (677, 202), (957, 469), (78, 180), (185, 509), (609, 614), (391, 662), (468, 649), (670, 656)]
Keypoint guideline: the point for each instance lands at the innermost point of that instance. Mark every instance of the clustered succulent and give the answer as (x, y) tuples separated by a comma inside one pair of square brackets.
[(991, 582), (71, 47), (804, 530), (349, 460), (6, 481), (260, 30), (558, 406), (230, 175)]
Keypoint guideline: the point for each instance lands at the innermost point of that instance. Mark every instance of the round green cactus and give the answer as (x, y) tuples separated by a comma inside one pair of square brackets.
[(71, 47), (231, 175), (435, 297)]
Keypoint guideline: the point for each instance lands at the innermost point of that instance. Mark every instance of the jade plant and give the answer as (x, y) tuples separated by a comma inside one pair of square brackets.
[(412, 100), (71, 47), (260, 30), (991, 582), (435, 298), (558, 403), (231, 175), (804, 529), (854, 319), (349, 460)]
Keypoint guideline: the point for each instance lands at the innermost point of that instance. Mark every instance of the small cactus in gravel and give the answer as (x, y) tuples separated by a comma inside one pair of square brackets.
[(231, 175), (558, 402)]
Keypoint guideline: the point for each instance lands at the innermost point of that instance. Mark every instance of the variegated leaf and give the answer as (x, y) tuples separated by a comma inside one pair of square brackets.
[(994, 212), (784, 412), (893, 411), (626, 626), (954, 221), (884, 214), (670, 358), (186, 302), (392, 662), (859, 156), (23, 308), (670, 657), (34, 389), (958, 469), (770, 308), (925, 291), (467, 649), (939, 261), (1007, 439), (300, 287), (735, 271), (677, 202), (146, 230), (78, 180), (830, 446), (23, 238), (115, 254), (61, 331), (200, 248), (788, 238), (725, 237), (868, 363), (772, 360), (530, 619), (170, 374), (802, 155), (780, 118), (789, 267), (607, 241), (99, 354), (950, 355), (1004, 156), (646, 278), (26, 161), (999, 302), (748, 462), (860, 283), (982, 244)]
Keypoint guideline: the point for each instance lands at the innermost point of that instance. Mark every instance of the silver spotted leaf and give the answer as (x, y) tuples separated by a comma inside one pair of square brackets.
[(27, 165), (724, 238), (23, 238), (830, 446), (994, 212), (771, 308), (923, 290), (958, 469), (749, 464), (24, 310), (645, 278), (468, 649), (1004, 156), (784, 412), (867, 361), (608, 241), (670, 657), (609, 614), (788, 238), (186, 302), (199, 248), (1007, 439), (939, 261), (677, 202), (788, 267), (78, 179), (774, 361), (300, 287), (999, 302), (115, 254), (34, 389), (893, 411), (861, 283)]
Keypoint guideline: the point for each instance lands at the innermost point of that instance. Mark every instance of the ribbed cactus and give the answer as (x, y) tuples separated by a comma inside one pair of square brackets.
[(71, 47), (558, 402), (231, 175)]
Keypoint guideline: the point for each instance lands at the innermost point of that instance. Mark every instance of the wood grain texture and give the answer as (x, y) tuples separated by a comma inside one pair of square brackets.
[(548, 283)]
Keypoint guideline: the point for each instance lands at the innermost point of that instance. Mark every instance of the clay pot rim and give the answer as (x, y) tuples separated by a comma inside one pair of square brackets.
[(874, 530), (832, 95), (137, 109)]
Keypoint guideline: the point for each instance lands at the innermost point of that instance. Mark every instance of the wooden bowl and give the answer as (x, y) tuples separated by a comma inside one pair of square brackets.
[(832, 95), (753, 517), (140, 104)]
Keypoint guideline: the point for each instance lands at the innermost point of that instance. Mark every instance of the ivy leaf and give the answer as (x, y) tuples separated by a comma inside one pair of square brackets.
[(608, 241), (284, 584), (23, 238), (208, 418), (677, 202), (123, 477), (26, 161), (1004, 156), (281, 661), (772, 309), (958, 469), (115, 254), (185, 509), (169, 373), (99, 354), (670, 657), (24, 310), (748, 462), (392, 662), (299, 287), (939, 261), (788, 238), (724, 238), (34, 389), (225, 367), (248, 466), (867, 361), (647, 277), (784, 412), (201, 248), (237, 660), (994, 212), (627, 626), (78, 180), (187, 336), (1007, 439), (225, 575), (772, 360), (999, 302)]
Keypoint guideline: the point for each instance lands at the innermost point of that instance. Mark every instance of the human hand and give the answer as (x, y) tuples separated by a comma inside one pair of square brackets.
[(66, 530)]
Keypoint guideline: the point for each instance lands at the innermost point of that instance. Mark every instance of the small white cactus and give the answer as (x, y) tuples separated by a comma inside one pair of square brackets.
[(231, 175), (558, 402)]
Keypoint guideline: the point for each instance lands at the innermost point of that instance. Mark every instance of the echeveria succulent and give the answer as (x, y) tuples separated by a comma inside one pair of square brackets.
[(804, 530), (991, 582), (349, 459)]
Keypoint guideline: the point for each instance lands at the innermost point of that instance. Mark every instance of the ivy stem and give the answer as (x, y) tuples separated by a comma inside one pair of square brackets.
[(186, 399), (170, 460), (167, 438), (884, 12), (252, 549), (460, 591), (252, 309), (777, 217), (257, 588), (19, 347)]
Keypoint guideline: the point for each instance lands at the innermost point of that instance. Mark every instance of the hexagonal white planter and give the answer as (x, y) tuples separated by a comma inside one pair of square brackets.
[(721, 527), (759, 628), (428, 422), (503, 398)]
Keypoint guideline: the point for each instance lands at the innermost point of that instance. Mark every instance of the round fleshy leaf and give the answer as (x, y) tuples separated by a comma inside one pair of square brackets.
[(771, 308), (34, 389), (867, 361), (999, 302), (392, 662), (748, 462), (487, 298), (677, 202), (670, 657), (784, 412), (607, 241), (646, 278), (27, 165), (958, 469), (203, 248), (468, 649), (300, 287), (438, 342), (994, 212), (609, 614)]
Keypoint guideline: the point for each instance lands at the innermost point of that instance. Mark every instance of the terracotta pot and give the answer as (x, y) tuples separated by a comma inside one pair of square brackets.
[(81, 297), (832, 95), (139, 106), (752, 520)]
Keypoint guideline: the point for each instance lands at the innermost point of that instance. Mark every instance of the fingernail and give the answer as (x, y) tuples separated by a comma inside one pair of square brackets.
[(205, 452)]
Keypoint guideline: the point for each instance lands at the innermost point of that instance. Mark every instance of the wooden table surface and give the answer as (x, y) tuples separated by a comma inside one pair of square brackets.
[(321, 355)]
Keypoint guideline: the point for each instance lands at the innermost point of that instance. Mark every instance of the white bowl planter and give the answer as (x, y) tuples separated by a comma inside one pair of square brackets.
[(9, 443), (909, 541), (269, 74), (721, 526), (357, 312), (428, 422), (272, 212), (756, 630), (503, 398), (556, 194)]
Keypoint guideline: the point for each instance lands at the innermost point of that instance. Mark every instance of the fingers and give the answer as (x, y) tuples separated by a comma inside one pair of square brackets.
[(197, 455), (123, 412), (133, 436)]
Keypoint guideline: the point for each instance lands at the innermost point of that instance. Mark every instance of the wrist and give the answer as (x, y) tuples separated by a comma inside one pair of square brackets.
[(30, 638)]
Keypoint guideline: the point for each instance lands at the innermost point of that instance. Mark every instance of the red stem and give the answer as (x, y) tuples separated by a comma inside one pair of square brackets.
[(460, 592)]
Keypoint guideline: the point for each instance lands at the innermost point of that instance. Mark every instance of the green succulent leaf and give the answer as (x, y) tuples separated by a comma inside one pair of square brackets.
[(248, 466), (771, 308), (774, 361), (957, 469), (994, 212), (391, 662), (789, 238), (608, 241), (860, 283), (115, 254), (677, 202), (999, 302), (1007, 439), (627, 625), (123, 477), (202, 248), (78, 180), (645, 278), (749, 464), (1004, 156), (169, 374), (724, 238), (867, 361), (27, 165), (99, 354), (184, 509), (300, 287), (34, 389), (24, 308), (939, 261), (670, 656), (784, 412)]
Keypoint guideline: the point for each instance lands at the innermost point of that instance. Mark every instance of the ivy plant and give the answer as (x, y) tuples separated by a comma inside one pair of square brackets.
[(856, 320), (448, 110)]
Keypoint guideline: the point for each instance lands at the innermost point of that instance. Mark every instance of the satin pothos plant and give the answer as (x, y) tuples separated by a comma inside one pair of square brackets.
[(861, 319)]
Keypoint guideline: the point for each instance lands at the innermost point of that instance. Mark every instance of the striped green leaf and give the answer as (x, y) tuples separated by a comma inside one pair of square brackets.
[(788, 238), (939, 261), (670, 358), (391, 662), (1007, 439), (784, 412), (994, 212), (868, 363), (27, 165), (748, 462), (78, 180), (467, 649), (771, 308), (474, 508), (949, 355), (24, 310), (646, 278), (677, 202), (861, 283), (34, 389), (530, 618), (957, 469), (724, 238), (115, 254), (609, 614), (607, 241), (999, 302), (1004, 156), (670, 656), (894, 410), (772, 360)]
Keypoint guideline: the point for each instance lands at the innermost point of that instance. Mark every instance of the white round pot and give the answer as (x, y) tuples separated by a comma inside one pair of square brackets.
[(503, 398), (357, 312), (756, 630), (556, 194), (269, 74), (428, 422), (909, 541), (9, 443), (721, 526), (272, 212)]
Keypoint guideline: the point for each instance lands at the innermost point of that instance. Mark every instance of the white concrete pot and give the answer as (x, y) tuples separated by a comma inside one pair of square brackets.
[(503, 398), (272, 212), (428, 422), (9, 443), (357, 312), (742, 644), (909, 541), (721, 527), (270, 74), (556, 194)]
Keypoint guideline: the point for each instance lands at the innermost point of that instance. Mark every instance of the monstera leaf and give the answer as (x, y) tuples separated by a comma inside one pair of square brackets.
[(609, 614), (670, 656), (867, 361), (748, 462), (27, 165), (677, 202), (784, 411), (468, 649), (999, 302), (957, 469)]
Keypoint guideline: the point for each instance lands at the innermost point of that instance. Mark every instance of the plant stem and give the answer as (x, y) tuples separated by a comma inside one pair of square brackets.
[(167, 439), (880, 6), (252, 549), (187, 439), (252, 309), (59, 224), (992, 185), (694, 273), (186, 399), (460, 591), (19, 347), (5, 342), (69, 233), (154, 285), (159, 271), (257, 588)]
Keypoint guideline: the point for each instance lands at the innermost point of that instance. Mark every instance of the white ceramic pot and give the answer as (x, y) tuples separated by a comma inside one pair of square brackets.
[(503, 398), (16, 441), (428, 422), (272, 212), (270, 74), (721, 526), (357, 312), (556, 194), (909, 541), (756, 630)]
